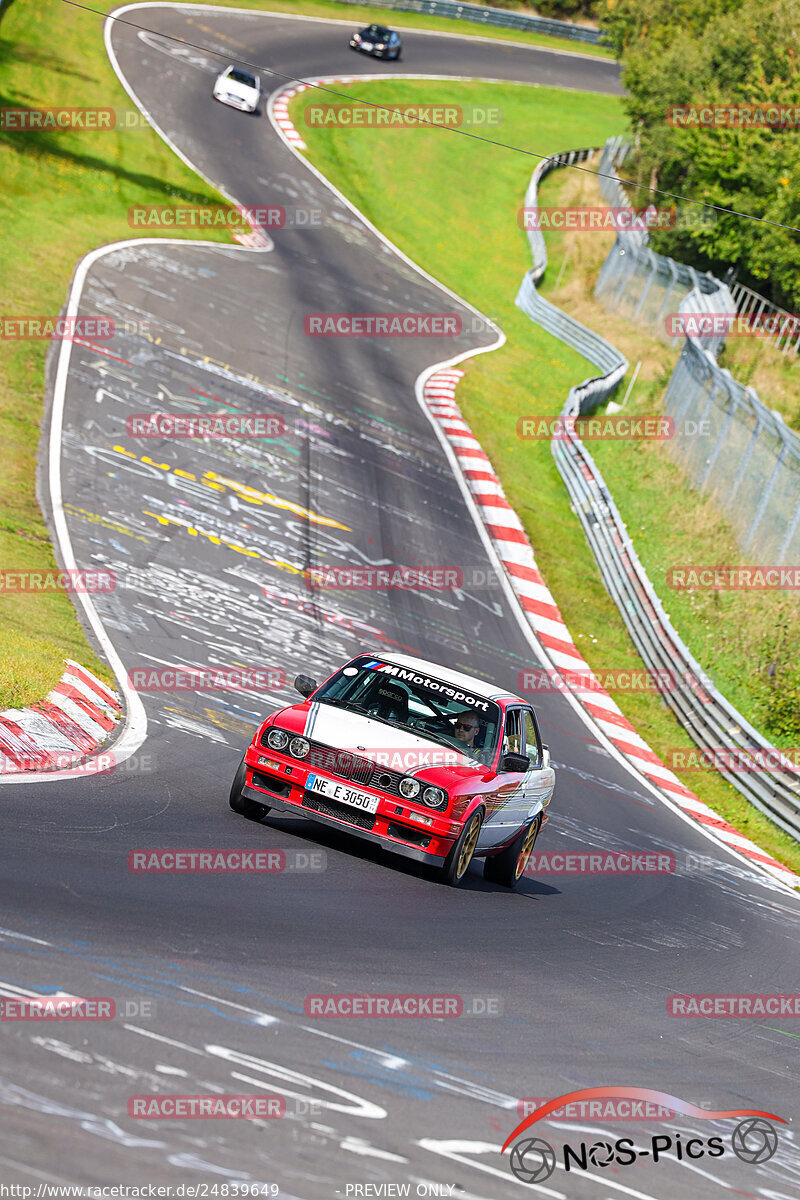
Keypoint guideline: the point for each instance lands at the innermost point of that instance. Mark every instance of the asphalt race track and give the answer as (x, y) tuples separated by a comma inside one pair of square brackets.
[(210, 973)]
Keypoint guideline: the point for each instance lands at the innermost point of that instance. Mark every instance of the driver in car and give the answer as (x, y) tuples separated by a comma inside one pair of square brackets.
[(466, 729)]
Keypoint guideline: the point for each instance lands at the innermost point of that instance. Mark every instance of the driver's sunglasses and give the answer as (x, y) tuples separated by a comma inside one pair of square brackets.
[(467, 728)]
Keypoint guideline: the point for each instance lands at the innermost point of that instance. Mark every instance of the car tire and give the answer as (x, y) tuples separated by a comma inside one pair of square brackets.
[(239, 803), (508, 867), (457, 862)]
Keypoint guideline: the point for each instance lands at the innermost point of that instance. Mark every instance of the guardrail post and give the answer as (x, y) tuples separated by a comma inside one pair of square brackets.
[(646, 289), (766, 495), (745, 459), (791, 530), (674, 273), (711, 461)]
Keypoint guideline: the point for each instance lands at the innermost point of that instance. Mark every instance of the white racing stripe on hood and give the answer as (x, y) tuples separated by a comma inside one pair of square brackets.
[(346, 730)]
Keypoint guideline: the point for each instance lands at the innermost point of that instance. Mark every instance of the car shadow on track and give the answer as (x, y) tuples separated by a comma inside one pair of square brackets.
[(355, 847)]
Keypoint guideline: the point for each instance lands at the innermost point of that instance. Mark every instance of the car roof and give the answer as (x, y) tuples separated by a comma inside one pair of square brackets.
[(479, 687)]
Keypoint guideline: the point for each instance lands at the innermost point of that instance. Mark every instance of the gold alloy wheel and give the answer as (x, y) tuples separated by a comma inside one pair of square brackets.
[(470, 842), (527, 847)]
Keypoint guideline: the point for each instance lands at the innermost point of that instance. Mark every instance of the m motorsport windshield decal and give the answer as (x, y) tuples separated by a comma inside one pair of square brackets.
[(434, 685), (636, 1093)]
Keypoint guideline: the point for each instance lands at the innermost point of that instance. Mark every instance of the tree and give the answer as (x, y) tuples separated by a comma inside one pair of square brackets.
[(727, 56)]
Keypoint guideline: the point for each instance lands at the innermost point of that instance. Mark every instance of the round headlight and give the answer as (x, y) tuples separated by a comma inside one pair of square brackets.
[(299, 747), (277, 739), (434, 797), (409, 788)]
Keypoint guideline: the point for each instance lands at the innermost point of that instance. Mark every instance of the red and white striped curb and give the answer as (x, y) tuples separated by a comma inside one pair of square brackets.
[(280, 101), (76, 718), (544, 617), (280, 111), (256, 239)]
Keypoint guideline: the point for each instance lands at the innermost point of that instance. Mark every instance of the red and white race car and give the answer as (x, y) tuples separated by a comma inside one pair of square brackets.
[(432, 764)]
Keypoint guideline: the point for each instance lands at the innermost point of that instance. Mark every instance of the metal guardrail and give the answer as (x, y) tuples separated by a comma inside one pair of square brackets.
[(596, 349), (501, 17), (750, 303), (713, 723)]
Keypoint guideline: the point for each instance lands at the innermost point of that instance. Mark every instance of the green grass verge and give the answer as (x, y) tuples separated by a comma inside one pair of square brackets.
[(469, 238), (63, 194)]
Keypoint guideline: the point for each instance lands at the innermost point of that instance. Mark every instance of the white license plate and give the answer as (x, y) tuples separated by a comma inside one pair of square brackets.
[(366, 45), (342, 793)]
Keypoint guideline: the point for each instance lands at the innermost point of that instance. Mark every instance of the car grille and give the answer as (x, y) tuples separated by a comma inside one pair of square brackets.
[(342, 812), (346, 765)]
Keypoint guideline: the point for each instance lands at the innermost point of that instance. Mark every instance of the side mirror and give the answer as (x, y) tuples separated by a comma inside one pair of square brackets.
[(545, 756), (305, 685), (514, 762)]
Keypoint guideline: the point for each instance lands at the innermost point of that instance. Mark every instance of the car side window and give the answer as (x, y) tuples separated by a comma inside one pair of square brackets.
[(532, 745), (512, 735)]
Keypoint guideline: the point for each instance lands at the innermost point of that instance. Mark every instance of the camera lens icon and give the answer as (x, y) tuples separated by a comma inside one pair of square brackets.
[(533, 1161), (754, 1140), (601, 1154)]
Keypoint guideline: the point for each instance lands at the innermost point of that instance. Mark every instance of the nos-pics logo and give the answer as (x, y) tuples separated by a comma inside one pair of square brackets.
[(754, 1140)]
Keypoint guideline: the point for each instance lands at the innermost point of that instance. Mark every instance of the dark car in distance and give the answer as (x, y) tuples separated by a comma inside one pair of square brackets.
[(379, 41)]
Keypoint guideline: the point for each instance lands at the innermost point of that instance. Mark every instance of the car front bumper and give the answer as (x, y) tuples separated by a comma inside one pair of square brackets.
[(389, 829), (371, 52), (236, 102)]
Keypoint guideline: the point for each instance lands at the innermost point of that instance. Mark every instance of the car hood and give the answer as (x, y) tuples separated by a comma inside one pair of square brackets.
[(396, 749)]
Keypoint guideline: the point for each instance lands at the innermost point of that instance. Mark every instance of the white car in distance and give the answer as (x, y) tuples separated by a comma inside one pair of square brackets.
[(240, 89)]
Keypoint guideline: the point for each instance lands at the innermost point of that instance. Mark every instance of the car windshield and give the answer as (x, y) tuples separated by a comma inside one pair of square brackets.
[(418, 702), (242, 77), (375, 31)]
